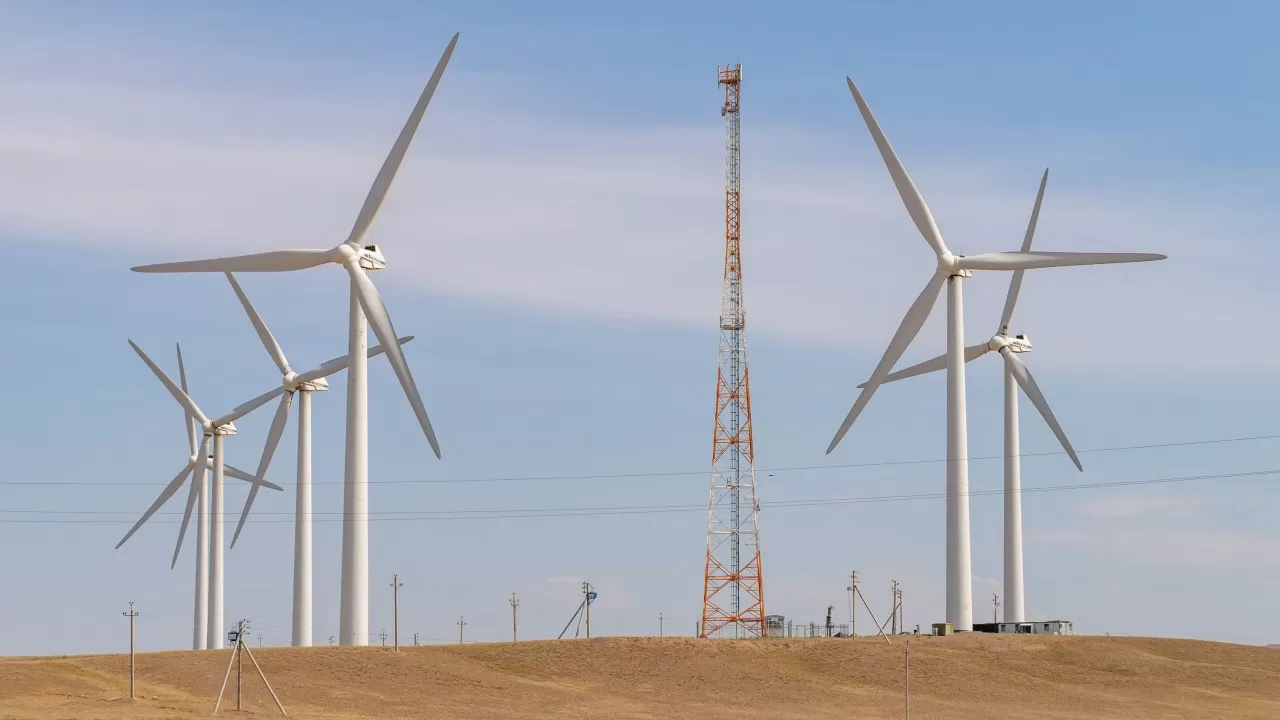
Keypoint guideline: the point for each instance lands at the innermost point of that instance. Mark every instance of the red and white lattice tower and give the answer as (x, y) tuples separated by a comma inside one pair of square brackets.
[(733, 590)]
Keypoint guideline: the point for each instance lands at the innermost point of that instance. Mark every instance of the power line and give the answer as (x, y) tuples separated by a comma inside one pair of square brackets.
[(432, 515), (685, 473)]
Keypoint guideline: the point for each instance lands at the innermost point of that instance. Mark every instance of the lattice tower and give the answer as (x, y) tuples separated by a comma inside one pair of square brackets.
[(733, 590)]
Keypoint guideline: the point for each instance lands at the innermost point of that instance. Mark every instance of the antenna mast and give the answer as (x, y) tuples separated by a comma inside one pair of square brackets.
[(733, 588)]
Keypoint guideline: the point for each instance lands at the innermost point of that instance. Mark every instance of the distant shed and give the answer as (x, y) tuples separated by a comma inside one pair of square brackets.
[(1043, 627)]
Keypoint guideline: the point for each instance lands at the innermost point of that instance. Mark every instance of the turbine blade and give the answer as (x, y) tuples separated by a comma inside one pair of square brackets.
[(971, 353), (268, 340), (382, 183), (165, 494), (182, 374), (238, 474), (907, 332), (339, 364), (911, 196), (186, 519), (248, 407), (177, 393), (268, 451), (376, 312), (1033, 260), (275, 261), (1028, 385), (1015, 283)]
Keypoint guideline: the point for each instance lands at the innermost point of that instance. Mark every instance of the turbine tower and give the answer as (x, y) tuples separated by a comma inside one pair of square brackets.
[(733, 584), (199, 491), (1016, 375), (214, 431), (366, 310), (951, 270), (303, 384)]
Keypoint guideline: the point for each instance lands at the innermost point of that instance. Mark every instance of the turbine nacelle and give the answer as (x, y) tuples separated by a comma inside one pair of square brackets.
[(371, 258), (1017, 343), (226, 429), (320, 385), (293, 382)]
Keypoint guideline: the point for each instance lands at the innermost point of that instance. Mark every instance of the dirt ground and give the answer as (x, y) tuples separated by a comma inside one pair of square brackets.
[(971, 676)]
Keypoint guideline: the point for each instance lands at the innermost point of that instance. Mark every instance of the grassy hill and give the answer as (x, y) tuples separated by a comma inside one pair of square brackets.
[(970, 676)]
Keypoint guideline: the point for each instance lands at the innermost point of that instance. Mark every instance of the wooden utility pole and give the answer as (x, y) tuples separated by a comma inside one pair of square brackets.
[(461, 624), (893, 623), (383, 636), (131, 615), (902, 618), (659, 624), (237, 649), (853, 588), (586, 599), (395, 593), (239, 665), (906, 678), (879, 627), (515, 603)]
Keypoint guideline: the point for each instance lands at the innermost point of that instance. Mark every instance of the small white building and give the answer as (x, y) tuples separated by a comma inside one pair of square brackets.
[(1052, 627), (1044, 627)]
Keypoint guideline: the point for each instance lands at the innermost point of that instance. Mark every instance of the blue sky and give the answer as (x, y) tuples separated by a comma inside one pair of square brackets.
[(554, 242)]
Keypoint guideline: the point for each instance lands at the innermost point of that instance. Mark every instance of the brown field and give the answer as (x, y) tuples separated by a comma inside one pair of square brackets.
[(971, 676)]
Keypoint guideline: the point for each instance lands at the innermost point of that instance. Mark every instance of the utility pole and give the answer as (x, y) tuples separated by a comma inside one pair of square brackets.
[(395, 593), (586, 599), (893, 623), (906, 678), (659, 624), (238, 647), (415, 639), (131, 615), (461, 624), (383, 636), (995, 615), (853, 589), (879, 627), (515, 603), (239, 662), (259, 639), (902, 618), (331, 640)]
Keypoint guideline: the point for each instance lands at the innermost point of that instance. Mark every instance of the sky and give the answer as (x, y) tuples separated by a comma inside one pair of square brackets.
[(554, 243)]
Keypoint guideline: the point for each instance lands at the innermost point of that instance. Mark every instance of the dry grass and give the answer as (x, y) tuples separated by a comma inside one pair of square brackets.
[(972, 676)]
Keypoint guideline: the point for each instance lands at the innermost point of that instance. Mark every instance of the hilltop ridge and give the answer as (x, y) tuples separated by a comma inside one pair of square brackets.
[(969, 676)]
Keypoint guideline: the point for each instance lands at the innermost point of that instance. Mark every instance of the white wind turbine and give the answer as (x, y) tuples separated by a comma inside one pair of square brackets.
[(951, 269), (209, 565), (1016, 375), (366, 304), (303, 384)]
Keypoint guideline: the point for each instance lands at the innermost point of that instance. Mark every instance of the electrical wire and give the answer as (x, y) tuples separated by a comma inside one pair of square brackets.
[(492, 514), (680, 473)]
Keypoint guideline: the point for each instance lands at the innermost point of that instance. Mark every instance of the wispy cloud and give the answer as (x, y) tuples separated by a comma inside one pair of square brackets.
[(1164, 506), (1179, 547), (619, 222)]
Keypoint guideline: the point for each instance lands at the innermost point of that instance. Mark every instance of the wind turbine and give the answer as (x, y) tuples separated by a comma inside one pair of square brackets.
[(950, 270), (1016, 375), (366, 304), (199, 491), (303, 384), (216, 429)]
